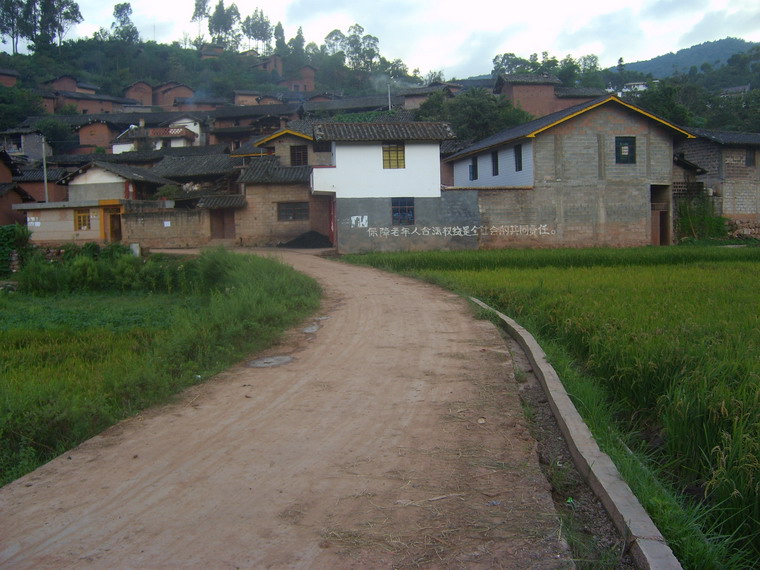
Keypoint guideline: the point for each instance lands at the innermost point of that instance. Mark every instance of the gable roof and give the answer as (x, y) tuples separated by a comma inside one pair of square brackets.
[(395, 131), (533, 128), (728, 137), (8, 187), (38, 175), (134, 173), (268, 170)]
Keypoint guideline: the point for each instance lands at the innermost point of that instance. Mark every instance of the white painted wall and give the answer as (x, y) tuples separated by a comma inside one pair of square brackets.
[(359, 172), (507, 177)]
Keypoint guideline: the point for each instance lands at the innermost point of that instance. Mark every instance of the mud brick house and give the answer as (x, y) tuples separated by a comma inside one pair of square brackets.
[(32, 180), (236, 125), (11, 193), (600, 173), (541, 94), (732, 164)]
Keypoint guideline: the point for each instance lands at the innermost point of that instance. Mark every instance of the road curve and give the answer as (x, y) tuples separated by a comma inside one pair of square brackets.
[(393, 438)]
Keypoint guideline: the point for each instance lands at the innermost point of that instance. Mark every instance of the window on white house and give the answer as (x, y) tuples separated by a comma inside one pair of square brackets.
[(474, 168), (402, 211), (495, 163), (394, 155), (518, 158)]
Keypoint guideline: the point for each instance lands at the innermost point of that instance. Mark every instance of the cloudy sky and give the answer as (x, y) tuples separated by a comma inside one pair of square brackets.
[(461, 38)]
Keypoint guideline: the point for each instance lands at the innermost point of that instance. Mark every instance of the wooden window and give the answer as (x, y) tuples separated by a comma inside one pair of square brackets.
[(322, 146), (625, 150), (394, 155), (474, 168), (518, 158), (495, 163), (299, 155), (402, 211), (81, 219), (750, 157), (292, 211)]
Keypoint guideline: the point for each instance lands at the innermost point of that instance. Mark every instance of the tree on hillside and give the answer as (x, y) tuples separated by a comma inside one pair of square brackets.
[(223, 25), (67, 15), (474, 114), (199, 15), (11, 18), (280, 45), (17, 104), (44, 21), (256, 27), (122, 28)]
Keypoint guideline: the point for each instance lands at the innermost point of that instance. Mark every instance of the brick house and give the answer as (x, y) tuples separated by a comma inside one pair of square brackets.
[(8, 77), (732, 164), (99, 194), (600, 173), (541, 94)]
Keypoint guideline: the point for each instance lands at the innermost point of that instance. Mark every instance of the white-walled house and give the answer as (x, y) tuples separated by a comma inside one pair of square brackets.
[(386, 179)]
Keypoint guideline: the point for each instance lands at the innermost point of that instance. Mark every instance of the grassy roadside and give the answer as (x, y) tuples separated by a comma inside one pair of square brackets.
[(72, 364), (657, 346)]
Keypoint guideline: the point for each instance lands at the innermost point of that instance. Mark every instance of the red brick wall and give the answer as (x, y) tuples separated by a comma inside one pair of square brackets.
[(96, 134)]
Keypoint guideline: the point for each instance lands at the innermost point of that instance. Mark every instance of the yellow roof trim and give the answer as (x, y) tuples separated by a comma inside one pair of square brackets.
[(281, 133), (604, 102)]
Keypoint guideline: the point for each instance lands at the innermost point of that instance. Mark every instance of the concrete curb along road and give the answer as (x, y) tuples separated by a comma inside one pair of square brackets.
[(646, 543)]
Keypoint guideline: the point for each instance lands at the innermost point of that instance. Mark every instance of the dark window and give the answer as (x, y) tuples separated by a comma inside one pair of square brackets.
[(495, 163), (518, 158), (299, 155), (402, 211), (394, 155), (322, 146), (750, 158), (292, 211), (474, 168), (625, 150)]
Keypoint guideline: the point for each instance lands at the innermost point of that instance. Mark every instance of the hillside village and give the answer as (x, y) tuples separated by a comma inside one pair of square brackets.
[(164, 167)]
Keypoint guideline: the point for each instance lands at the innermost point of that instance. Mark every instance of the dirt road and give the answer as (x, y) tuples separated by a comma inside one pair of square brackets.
[(393, 438)]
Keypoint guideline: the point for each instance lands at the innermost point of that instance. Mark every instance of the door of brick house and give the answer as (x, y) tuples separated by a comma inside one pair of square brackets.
[(222, 224), (660, 206)]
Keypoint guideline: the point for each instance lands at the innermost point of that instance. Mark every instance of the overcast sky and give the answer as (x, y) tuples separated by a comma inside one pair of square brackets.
[(461, 38)]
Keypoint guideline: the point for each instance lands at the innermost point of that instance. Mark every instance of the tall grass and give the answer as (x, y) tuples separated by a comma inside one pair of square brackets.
[(671, 335), (92, 359)]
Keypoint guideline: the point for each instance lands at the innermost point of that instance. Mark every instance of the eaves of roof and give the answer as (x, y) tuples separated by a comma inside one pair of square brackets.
[(533, 128), (728, 137), (267, 170), (396, 131)]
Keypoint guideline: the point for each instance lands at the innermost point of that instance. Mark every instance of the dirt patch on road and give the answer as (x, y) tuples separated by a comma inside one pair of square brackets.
[(394, 438)]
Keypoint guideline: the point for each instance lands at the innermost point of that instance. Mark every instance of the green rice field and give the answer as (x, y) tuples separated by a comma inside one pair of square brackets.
[(671, 337)]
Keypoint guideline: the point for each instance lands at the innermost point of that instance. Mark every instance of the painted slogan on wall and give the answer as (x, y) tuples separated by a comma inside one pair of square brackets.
[(522, 230)]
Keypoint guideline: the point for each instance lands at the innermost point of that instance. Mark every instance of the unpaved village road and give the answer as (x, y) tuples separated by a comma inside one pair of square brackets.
[(394, 439)]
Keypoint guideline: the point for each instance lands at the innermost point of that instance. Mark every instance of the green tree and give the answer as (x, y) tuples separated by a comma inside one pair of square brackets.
[(256, 27), (223, 25), (11, 18), (280, 45), (200, 13), (16, 104), (57, 134), (474, 114), (122, 28)]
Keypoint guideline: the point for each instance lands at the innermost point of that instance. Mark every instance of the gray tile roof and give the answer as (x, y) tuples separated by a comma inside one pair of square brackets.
[(37, 175), (184, 167), (727, 137), (570, 92), (140, 157), (267, 170), (372, 103), (529, 79), (397, 131), (134, 173), (221, 201)]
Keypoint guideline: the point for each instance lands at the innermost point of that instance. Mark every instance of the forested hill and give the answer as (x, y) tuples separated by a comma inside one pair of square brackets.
[(712, 54)]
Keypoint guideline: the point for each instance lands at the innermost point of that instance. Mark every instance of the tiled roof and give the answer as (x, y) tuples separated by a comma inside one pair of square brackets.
[(37, 175), (255, 111), (149, 156), (532, 128), (530, 79), (220, 201), (569, 92), (134, 173), (267, 170), (728, 137), (182, 167), (6, 187), (403, 131), (373, 103)]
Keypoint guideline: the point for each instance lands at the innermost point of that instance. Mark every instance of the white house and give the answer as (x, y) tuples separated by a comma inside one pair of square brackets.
[(386, 180)]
